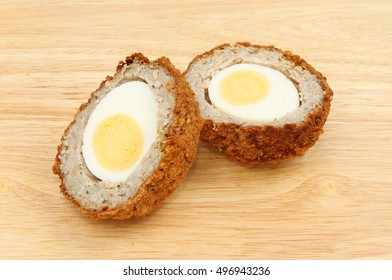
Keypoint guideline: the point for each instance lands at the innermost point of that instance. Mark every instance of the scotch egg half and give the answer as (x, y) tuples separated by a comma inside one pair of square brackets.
[(131, 145), (259, 104), (253, 92)]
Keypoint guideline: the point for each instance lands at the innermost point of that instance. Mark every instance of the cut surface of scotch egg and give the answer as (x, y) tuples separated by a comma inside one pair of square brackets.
[(253, 92), (120, 131)]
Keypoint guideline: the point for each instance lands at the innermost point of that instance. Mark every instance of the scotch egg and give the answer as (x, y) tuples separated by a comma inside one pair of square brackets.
[(131, 145), (259, 104)]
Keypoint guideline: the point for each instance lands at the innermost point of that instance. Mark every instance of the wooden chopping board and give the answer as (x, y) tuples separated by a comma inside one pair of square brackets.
[(334, 203)]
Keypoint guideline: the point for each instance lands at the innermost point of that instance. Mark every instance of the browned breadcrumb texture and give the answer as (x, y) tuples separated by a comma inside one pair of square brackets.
[(256, 145), (179, 153)]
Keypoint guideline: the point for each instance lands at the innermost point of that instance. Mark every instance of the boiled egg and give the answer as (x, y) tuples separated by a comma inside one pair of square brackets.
[(120, 131), (253, 92)]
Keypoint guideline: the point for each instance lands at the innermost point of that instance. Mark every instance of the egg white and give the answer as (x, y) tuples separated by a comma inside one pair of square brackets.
[(282, 98), (135, 99)]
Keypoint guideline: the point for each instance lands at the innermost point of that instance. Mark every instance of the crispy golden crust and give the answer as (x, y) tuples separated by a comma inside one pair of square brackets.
[(255, 145), (182, 138)]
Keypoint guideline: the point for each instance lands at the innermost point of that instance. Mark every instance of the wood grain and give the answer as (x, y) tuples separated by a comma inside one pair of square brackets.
[(334, 203)]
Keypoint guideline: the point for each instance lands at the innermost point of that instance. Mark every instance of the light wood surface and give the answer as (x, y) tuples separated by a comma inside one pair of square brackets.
[(334, 203)]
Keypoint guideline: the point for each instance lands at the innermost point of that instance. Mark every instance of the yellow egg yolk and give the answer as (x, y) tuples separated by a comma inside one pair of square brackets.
[(117, 142), (244, 87)]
